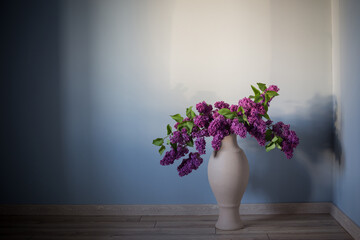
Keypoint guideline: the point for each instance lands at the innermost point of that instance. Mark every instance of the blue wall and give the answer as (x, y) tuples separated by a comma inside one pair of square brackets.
[(347, 165), (89, 84)]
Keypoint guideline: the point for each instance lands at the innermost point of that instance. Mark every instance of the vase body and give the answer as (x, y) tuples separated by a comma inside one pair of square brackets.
[(228, 173)]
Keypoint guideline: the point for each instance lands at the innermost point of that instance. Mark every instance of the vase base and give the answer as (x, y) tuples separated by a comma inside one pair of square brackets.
[(229, 227), (229, 219)]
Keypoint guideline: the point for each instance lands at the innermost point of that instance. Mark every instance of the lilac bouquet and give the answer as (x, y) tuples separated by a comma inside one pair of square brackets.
[(248, 116)]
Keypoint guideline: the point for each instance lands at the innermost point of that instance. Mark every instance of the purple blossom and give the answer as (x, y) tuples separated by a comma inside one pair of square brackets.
[(234, 108), (188, 164), (204, 108), (238, 128), (272, 88), (202, 121), (216, 142), (290, 139), (172, 155), (210, 123), (200, 144), (221, 105)]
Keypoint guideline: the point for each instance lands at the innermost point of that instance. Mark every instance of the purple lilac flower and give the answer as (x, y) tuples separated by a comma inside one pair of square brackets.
[(290, 139), (202, 121), (272, 88), (200, 144), (185, 135), (221, 104), (216, 142), (211, 123), (172, 155), (246, 103), (200, 133), (176, 137), (234, 108), (204, 108), (238, 128), (188, 164)]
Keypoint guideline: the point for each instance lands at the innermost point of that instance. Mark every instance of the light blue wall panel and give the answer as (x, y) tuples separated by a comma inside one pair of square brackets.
[(347, 165), (124, 66)]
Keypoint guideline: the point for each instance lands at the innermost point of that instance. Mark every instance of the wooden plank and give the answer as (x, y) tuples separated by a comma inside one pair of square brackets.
[(67, 218), (158, 237), (173, 218), (310, 236), (346, 222), (197, 209), (246, 236), (80, 225), (105, 231), (285, 229), (290, 226), (186, 224)]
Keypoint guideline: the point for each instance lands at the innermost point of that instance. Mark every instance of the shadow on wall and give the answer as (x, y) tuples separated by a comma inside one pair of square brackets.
[(306, 176), (32, 169), (339, 153)]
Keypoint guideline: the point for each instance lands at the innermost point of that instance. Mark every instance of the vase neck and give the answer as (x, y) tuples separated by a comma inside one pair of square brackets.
[(229, 143)]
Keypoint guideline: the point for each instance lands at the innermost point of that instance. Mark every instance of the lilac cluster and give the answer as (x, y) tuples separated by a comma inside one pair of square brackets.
[(173, 154), (270, 88), (248, 116), (289, 138), (221, 105), (219, 128), (257, 126), (200, 145), (188, 164), (238, 128), (203, 108)]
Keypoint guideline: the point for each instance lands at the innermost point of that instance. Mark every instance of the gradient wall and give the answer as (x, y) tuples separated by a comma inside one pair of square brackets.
[(91, 83), (347, 83)]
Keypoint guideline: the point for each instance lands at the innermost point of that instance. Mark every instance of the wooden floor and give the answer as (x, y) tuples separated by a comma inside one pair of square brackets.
[(259, 227)]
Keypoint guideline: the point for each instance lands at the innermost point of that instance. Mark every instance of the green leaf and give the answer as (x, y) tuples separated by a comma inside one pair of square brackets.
[(190, 143), (245, 119), (190, 113), (266, 107), (268, 135), (266, 116), (270, 147), (168, 142), (162, 149), (189, 126), (180, 126), (262, 86), (174, 146), (256, 91), (158, 141), (241, 109), (251, 96), (258, 98), (224, 111), (267, 98), (278, 146), (227, 113), (275, 139), (168, 128), (272, 94), (177, 117)]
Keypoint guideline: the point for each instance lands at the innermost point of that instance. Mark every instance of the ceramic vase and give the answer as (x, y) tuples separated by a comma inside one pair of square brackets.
[(228, 173)]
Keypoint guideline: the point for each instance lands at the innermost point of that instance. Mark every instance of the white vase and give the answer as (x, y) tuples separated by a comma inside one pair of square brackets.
[(228, 173)]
